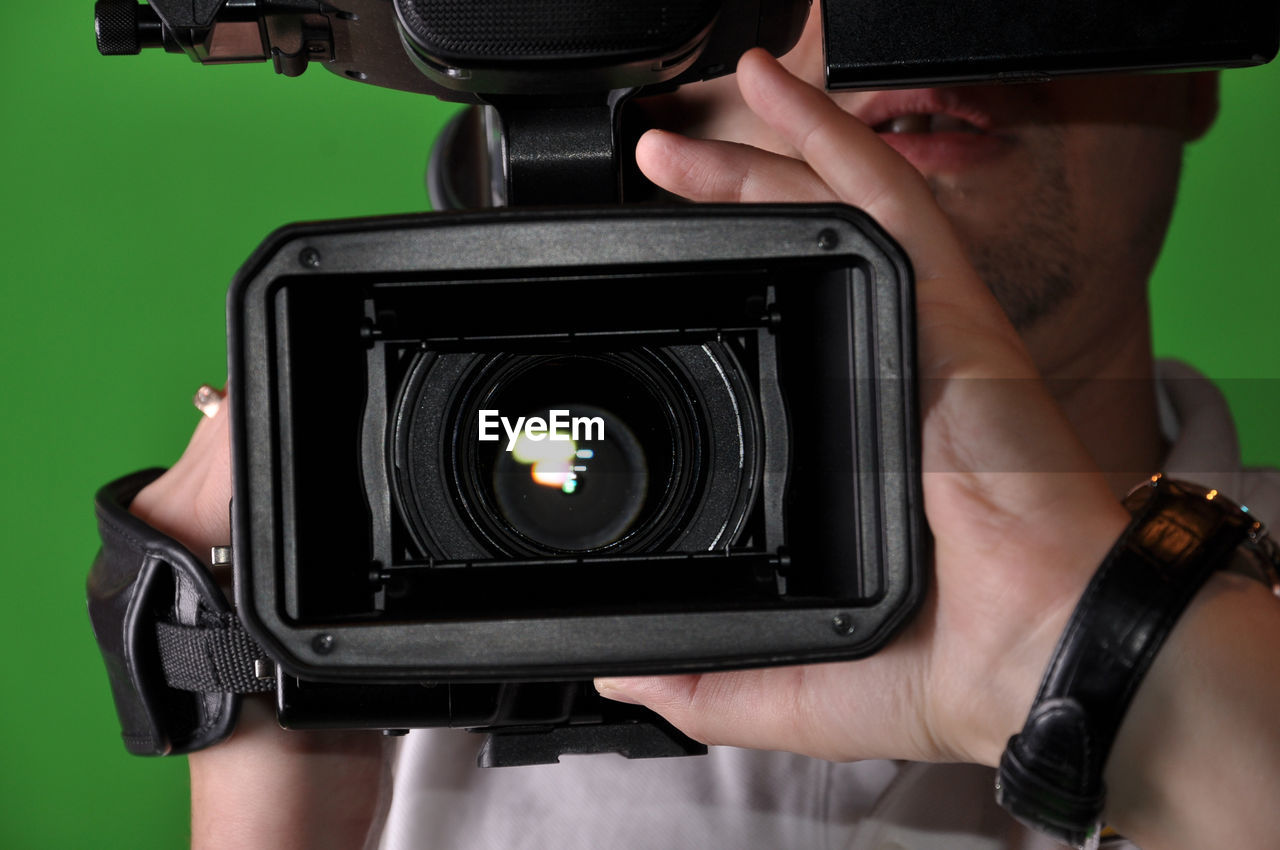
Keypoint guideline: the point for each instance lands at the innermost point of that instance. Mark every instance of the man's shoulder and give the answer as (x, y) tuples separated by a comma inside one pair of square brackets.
[(1196, 419), (1260, 493)]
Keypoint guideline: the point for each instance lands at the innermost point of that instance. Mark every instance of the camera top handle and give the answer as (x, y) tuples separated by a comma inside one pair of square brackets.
[(557, 96), (557, 71)]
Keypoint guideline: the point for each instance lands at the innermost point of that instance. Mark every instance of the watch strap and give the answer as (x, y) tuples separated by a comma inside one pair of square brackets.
[(1050, 775)]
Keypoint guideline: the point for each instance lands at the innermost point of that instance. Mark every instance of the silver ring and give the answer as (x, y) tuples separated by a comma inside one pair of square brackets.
[(207, 400)]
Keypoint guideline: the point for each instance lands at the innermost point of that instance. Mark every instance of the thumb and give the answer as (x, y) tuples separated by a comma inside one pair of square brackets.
[(737, 708)]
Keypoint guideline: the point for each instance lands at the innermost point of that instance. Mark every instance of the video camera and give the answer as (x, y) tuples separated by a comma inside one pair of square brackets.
[(480, 457)]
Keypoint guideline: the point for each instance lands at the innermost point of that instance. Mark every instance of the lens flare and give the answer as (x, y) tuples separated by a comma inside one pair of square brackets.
[(551, 460)]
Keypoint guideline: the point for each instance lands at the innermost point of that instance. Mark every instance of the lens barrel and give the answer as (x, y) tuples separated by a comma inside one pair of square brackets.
[(589, 452)]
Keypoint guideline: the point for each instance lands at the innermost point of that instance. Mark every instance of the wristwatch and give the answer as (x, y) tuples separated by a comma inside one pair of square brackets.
[(1050, 775)]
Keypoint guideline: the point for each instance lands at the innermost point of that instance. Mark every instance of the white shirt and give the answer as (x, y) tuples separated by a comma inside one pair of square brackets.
[(743, 799)]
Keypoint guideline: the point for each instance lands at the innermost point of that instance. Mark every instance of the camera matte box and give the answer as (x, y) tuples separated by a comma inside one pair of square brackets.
[(827, 558)]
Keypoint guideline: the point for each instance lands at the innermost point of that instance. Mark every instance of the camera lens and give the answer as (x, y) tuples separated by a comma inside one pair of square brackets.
[(575, 453), (596, 451)]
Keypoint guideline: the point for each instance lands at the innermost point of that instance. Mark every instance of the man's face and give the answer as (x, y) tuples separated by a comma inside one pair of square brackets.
[(1061, 191)]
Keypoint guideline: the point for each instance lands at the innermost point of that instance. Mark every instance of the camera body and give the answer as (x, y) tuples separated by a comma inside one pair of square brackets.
[(481, 457), (745, 489), (750, 494)]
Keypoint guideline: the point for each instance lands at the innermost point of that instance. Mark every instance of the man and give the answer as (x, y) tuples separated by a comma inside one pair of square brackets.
[(1032, 216)]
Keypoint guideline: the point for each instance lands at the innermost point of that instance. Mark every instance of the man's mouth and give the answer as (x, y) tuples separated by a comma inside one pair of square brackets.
[(936, 131), (926, 123)]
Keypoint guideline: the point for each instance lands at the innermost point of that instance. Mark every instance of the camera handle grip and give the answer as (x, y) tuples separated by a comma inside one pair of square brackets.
[(144, 584)]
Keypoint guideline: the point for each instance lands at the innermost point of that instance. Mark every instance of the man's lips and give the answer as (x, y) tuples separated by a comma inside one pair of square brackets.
[(936, 130)]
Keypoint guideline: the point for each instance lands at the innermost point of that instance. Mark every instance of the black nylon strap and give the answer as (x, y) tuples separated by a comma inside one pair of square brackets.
[(139, 578), (215, 657), (1050, 774)]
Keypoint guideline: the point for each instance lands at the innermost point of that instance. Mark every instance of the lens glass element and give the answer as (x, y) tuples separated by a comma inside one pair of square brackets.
[(573, 492), (574, 453)]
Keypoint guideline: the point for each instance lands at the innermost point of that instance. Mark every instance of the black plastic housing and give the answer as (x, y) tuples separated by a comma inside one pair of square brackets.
[(825, 562), (910, 43), (456, 53)]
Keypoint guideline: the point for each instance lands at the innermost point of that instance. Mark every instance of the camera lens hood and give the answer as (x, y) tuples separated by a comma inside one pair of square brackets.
[(748, 351)]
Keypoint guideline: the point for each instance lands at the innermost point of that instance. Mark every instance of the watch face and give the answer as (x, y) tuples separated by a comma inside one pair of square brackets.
[(1258, 555), (1141, 496)]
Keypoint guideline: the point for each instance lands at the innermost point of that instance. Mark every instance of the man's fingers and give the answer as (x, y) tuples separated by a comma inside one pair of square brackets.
[(844, 152), (726, 172), (190, 501), (715, 708), (866, 173), (834, 711)]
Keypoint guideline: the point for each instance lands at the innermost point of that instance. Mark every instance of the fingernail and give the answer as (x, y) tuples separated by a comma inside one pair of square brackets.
[(657, 137), (613, 689), (207, 400)]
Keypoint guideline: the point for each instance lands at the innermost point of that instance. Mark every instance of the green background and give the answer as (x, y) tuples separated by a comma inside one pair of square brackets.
[(133, 187)]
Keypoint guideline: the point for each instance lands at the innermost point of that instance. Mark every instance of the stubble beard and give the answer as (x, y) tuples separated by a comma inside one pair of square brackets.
[(1027, 261)]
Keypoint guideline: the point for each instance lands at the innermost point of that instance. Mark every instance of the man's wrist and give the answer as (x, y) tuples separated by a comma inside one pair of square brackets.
[(1018, 678), (1020, 640), (1051, 773), (1209, 698), (273, 788)]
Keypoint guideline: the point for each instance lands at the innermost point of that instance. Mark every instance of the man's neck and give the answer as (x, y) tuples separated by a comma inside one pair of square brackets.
[(1108, 394)]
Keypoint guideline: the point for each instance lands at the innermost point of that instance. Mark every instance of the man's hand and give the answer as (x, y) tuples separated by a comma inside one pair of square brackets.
[(1021, 519), (264, 786), (1020, 515)]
